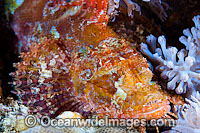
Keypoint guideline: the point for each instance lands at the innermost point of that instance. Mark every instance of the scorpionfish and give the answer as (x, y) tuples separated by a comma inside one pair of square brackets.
[(73, 61)]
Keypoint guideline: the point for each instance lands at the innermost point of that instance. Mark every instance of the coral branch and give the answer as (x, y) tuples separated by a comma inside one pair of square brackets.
[(157, 8), (132, 6)]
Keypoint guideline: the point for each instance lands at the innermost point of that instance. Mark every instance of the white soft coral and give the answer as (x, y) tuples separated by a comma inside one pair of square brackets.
[(114, 4), (189, 120), (180, 74), (183, 73), (155, 5), (192, 39), (132, 6)]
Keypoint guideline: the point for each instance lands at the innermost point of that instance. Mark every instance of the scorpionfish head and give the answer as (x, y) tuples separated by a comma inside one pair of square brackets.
[(114, 79)]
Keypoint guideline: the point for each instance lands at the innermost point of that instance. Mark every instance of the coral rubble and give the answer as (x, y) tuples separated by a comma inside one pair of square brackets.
[(12, 116)]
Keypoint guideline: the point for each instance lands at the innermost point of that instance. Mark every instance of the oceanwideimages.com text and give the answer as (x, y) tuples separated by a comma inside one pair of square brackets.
[(45, 121)]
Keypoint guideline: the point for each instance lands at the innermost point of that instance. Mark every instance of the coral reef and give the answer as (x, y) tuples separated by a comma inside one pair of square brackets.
[(182, 74), (78, 63), (73, 61)]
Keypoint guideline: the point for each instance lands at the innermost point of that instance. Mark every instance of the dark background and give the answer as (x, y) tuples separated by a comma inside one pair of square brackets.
[(8, 51)]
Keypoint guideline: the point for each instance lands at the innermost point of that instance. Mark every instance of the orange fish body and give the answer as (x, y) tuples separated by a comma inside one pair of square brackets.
[(85, 68)]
